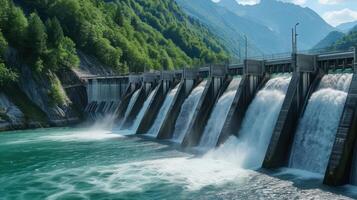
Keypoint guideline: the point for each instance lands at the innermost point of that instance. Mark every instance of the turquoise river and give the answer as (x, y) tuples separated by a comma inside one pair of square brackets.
[(90, 163)]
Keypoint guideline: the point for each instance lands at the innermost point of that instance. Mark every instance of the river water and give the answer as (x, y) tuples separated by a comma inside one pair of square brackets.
[(73, 163)]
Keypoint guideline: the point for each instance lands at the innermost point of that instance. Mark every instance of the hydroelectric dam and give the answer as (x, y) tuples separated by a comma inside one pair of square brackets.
[(297, 112)]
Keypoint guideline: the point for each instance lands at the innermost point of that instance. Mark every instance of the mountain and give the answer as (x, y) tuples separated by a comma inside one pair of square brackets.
[(134, 34), (45, 46), (329, 40), (280, 17), (231, 28), (346, 42), (345, 27)]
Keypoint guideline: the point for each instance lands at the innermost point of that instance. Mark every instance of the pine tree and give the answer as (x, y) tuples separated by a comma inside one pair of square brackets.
[(36, 36)]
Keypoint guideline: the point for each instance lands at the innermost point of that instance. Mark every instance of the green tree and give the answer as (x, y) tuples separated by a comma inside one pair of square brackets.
[(36, 36), (54, 32), (15, 30), (3, 44), (6, 75)]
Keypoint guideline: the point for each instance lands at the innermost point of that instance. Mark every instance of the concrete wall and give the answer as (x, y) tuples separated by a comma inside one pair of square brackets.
[(245, 94), (339, 166), (123, 105), (168, 125), (136, 108), (303, 83), (202, 112), (153, 109)]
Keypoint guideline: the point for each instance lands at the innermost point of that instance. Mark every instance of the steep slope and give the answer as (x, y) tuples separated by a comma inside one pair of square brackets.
[(346, 27), (232, 28), (346, 42), (329, 40), (132, 35), (46, 46), (280, 17)]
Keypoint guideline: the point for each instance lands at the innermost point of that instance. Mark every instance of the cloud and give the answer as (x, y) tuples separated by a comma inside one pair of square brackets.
[(330, 2), (340, 16), (243, 2), (248, 2), (297, 2)]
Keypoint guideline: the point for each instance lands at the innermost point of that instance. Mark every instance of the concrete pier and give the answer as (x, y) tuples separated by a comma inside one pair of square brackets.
[(189, 81), (205, 105), (295, 100), (150, 115), (340, 163), (254, 76), (149, 84), (134, 84)]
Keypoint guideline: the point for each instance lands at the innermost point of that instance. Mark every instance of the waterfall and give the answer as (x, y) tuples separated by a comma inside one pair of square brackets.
[(128, 109), (317, 128), (131, 103), (219, 114), (187, 111), (249, 148), (142, 111), (163, 112)]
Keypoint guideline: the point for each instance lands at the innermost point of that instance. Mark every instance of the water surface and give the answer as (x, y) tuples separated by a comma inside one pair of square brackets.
[(69, 163)]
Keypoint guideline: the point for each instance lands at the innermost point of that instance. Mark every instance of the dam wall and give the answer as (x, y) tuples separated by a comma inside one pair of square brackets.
[(339, 170), (189, 80), (167, 82), (217, 79), (254, 76), (296, 98)]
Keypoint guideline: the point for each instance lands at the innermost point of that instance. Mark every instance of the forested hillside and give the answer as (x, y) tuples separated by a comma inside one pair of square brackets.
[(42, 40), (346, 42), (132, 34)]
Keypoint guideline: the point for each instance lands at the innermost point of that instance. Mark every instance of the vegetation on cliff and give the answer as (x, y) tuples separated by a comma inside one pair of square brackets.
[(126, 35), (346, 42), (129, 35)]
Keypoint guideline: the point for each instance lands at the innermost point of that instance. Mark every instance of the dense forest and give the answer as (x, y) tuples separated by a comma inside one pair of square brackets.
[(347, 41), (126, 35), (41, 41)]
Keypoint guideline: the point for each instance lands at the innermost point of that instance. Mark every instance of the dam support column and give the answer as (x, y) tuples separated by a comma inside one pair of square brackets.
[(341, 159), (217, 76), (190, 78), (297, 95), (253, 76), (149, 81), (166, 83), (134, 84)]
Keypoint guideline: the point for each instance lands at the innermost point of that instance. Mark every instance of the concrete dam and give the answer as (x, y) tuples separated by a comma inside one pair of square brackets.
[(298, 112)]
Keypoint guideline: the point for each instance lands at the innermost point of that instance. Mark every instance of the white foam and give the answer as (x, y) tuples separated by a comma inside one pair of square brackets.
[(84, 135), (163, 112), (187, 111), (248, 150), (316, 131), (219, 114)]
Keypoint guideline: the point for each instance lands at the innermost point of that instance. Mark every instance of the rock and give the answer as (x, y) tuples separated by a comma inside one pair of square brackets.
[(9, 112)]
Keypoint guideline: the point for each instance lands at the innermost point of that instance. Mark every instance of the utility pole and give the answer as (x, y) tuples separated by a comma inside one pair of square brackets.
[(294, 45), (246, 47), (296, 49)]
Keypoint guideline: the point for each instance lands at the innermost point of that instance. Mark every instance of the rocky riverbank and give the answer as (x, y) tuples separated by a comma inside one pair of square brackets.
[(28, 103)]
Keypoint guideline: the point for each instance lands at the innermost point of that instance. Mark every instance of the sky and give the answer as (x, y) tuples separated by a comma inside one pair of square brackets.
[(334, 12)]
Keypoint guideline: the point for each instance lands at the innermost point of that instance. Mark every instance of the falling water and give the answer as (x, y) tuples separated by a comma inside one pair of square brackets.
[(248, 150), (317, 129), (131, 103), (187, 111), (219, 114), (128, 109), (163, 112), (143, 109)]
